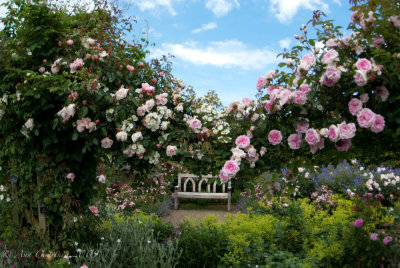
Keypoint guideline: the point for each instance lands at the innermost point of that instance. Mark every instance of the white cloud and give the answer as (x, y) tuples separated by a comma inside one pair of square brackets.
[(285, 43), (205, 27), (285, 10), (221, 7), (154, 4), (224, 54)]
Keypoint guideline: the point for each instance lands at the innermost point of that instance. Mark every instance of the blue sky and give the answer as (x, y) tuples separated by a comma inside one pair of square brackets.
[(225, 45)]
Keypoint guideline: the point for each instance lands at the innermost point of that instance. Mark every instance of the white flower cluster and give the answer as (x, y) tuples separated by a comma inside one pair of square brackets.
[(164, 112), (207, 113), (154, 158), (152, 121), (222, 130), (3, 194), (127, 125)]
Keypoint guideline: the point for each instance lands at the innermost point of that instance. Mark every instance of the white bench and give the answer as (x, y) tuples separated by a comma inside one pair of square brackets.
[(199, 194)]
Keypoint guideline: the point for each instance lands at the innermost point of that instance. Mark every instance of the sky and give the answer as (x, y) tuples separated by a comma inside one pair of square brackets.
[(225, 45)]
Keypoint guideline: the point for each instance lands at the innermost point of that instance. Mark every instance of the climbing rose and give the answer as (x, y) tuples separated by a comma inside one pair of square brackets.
[(121, 136), (223, 176), (121, 93), (275, 137), (130, 68), (345, 145), (106, 143), (231, 167), (29, 124), (382, 92), (330, 57), (260, 82), (355, 105), (330, 77), (70, 42), (171, 150), (347, 131), (364, 65), (379, 124), (243, 141), (294, 141), (74, 66), (312, 136), (365, 118), (360, 78), (358, 223)]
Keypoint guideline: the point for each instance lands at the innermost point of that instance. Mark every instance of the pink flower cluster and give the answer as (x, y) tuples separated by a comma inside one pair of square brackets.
[(368, 119), (281, 96), (75, 65), (171, 150), (85, 123), (161, 99)]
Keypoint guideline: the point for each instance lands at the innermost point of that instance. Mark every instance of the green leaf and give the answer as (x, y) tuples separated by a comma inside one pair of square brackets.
[(75, 136), (84, 111)]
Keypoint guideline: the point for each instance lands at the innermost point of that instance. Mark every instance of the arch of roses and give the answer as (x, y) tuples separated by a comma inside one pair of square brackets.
[(74, 95)]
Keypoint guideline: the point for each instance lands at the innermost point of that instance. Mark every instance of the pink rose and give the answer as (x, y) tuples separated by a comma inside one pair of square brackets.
[(260, 82), (344, 145), (121, 93), (42, 69), (268, 107), (312, 136), (77, 64), (330, 57), (377, 42), (305, 88), (382, 92), (121, 136), (347, 131), (70, 42), (360, 78), (106, 143), (70, 176), (141, 110), (364, 65), (333, 133), (330, 77), (171, 150), (294, 141), (195, 124), (387, 240), (302, 127), (284, 96), (231, 167), (355, 105), (223, 176), (130, 68), (379, 124), (242, 141), (318, 145), (147, 88), (275, 137), (299, 97), (366, 118), (309, 59), (94, 210), (247, 101)]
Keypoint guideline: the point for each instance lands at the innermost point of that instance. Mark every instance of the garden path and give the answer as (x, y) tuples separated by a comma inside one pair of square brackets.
[(177, 216)]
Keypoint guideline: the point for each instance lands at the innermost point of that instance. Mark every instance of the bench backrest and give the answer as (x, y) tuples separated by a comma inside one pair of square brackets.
[(186, 178)]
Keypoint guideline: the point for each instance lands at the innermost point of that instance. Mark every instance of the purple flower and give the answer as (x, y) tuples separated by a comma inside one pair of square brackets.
[(374, 236), (387, 240), (358, 223), (379, 196), (1, 244)]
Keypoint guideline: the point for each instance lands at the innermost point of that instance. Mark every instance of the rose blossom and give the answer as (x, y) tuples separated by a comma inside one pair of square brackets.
[(242, 141), (387, 240), (364, 65), (29, 124), (365, 118), (67, 112), (101, 178), (130, 68), (171, 150), (355, 105), (147, 88), (94, 210), (70, 42), (74, 66), (275, 137), (379, 124), (294, 141), (260, 82), (195, 124), (299, 97), (347, 131), (305, 88), (330, 77), (70, 176), (382, 92), (358, 223), (106, 143), (312, 136), (231, 167), (136, 136), (345, 145), (330, 57), (324, 132), (302, 128), (374, 236), (42, 69), (141, 110), (360, 78), (364, 98), (223, 176), (121, 93), (121, 136)]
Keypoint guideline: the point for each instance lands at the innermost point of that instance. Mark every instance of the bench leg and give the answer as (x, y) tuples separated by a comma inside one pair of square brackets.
[(229, 199), (176, 200)]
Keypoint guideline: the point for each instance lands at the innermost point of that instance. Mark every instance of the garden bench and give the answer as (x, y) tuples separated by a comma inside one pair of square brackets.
[(183, 193)]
